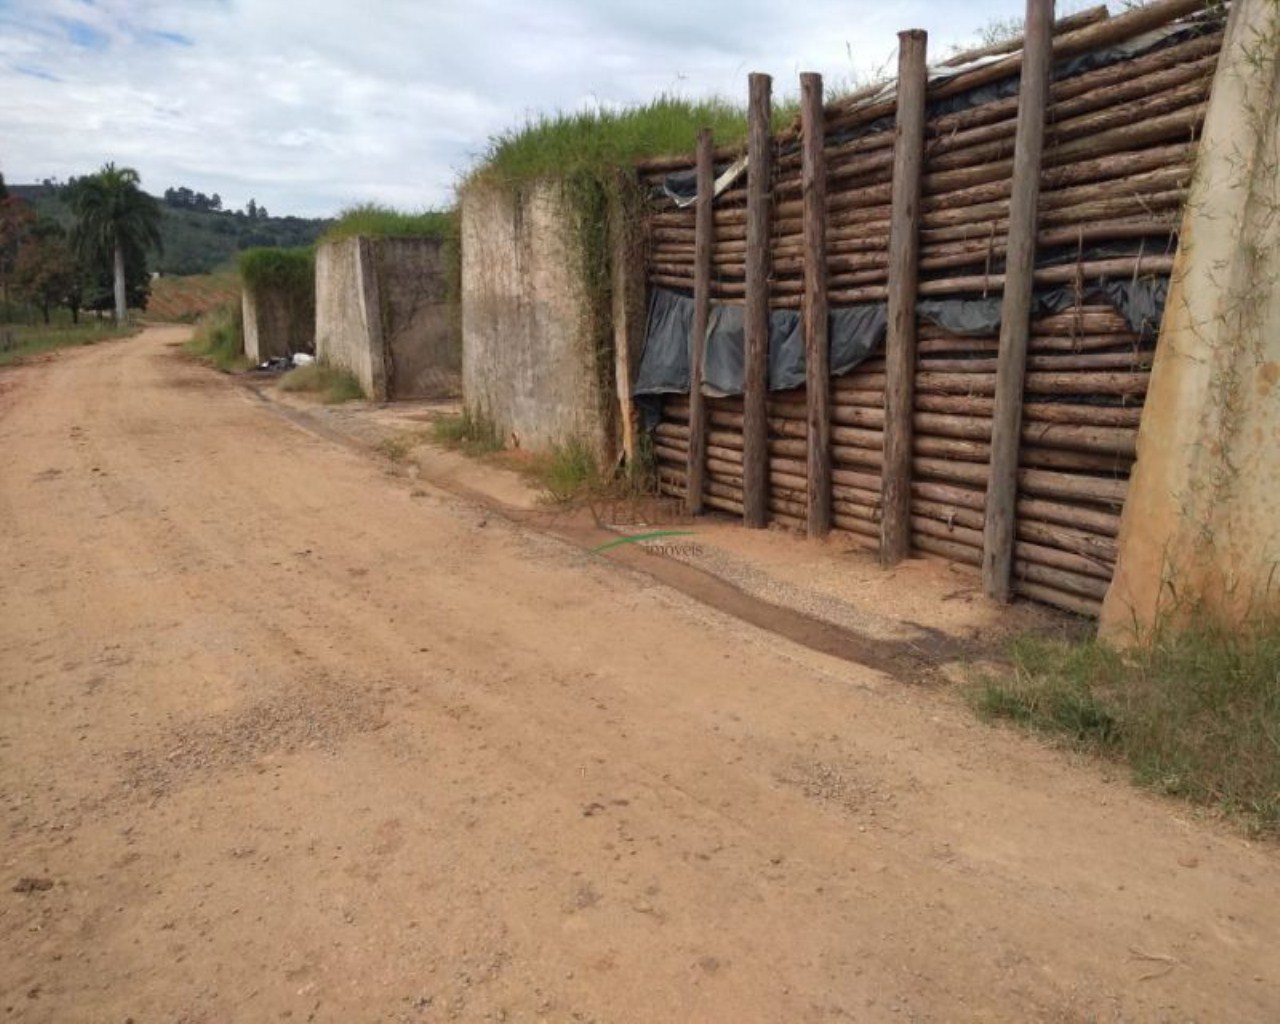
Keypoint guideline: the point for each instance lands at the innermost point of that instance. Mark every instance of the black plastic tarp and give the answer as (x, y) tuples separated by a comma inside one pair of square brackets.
[(724, 358), (1140, 302), (664, 368), (854, 331)]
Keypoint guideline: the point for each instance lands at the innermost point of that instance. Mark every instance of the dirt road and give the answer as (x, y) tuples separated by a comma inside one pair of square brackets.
[(287, 738)]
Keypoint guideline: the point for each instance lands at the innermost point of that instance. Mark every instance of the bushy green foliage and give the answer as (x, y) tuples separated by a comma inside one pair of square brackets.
[(1194, 712), (285, 270), (219, 338), (371, 220)]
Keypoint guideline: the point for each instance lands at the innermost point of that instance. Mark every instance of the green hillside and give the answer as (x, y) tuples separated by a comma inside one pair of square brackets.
[(198, 237)]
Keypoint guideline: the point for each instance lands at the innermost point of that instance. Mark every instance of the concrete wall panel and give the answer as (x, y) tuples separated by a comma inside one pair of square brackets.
[(1201, 525), (274, 325), (529, 351), (382, 312)]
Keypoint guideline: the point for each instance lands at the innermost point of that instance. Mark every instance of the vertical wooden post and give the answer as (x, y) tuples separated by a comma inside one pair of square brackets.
[(1015, 311), (629, 286), (703, 241), (817, 353), (904, 258), (755, 426)]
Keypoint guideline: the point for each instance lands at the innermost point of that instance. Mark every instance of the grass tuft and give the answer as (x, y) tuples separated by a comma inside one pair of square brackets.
[(334, 384), (398, 446), (568, 473), (371, 220), (219, 338), (1195, 714), (471, 433)]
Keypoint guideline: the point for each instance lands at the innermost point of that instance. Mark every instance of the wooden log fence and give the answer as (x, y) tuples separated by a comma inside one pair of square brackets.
[(1009, 446)]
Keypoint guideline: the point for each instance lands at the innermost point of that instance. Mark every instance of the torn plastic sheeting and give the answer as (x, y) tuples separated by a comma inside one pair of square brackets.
[(682, 186), (1140, 302), (854, 332)]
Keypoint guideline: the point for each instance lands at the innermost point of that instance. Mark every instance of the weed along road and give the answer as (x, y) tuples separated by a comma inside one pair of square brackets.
[(287, 738)]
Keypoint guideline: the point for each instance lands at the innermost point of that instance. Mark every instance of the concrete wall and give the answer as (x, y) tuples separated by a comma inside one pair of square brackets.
[(274, 324), (348, 325), (420, 325), (529, 355), (1201, 524), (382, 312)]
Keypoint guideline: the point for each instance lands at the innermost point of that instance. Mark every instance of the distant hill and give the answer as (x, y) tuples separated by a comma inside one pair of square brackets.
[(197, 239)]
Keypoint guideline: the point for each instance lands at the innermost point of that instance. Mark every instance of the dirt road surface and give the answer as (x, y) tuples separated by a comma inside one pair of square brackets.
[(287, 738)]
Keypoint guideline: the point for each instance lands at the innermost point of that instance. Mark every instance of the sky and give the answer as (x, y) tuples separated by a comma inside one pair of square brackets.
[(313, 105)]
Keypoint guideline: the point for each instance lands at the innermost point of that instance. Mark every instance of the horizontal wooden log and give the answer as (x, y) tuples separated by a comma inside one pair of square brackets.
[(1032, 482), (1088, 521), (1072, 437), (949, 550), (1059, 579), (1100, 549), (1082, 383), (930, 348), (1078, 604)]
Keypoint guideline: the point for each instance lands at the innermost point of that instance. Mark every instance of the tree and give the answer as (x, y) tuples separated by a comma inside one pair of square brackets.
[(16, 219), (45, 270), (114, 218)]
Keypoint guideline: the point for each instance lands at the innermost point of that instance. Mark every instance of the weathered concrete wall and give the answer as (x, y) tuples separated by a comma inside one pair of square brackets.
[(348, 326), (382, 312), (1202, 519), (529, 353), (275, 324), (420, 325)]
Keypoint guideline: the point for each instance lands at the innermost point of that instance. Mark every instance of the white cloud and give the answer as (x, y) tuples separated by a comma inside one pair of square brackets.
[(309, 108)]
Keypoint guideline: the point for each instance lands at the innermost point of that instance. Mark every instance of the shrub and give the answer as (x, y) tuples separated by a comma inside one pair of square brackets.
[(219, 338), (287, 270)]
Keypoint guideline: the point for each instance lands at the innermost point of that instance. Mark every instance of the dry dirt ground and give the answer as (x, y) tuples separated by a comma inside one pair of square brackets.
[(288, 736)]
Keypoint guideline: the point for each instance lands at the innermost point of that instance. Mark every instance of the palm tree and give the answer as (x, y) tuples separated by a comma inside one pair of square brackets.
[(113, 215)]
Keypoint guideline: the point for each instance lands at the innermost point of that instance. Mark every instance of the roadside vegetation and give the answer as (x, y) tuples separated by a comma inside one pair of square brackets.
[(20, 342), (1194, 713), (568, 473), (332, 384), (219, 338)]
